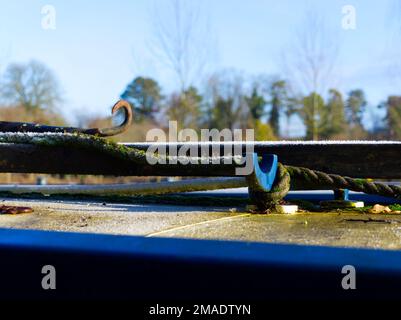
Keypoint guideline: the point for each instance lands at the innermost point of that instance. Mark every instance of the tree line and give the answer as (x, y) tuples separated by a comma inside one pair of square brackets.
[(30, 92), (227, 100)]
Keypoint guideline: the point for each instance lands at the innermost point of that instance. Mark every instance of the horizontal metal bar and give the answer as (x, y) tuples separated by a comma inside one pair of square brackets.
[(354, 158), (129, 189), (27, 158), (359, 159), (258, 145), (141, 188), (90, 266)]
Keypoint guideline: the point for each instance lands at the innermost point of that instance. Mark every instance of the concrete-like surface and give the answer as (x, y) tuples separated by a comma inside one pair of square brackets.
[(333, 229), (129, 219)]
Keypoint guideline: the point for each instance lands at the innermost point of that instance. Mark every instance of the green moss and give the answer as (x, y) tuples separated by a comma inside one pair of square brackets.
[(395, 207), (186, 200), (363, 210), (77, 140), (360, 182)]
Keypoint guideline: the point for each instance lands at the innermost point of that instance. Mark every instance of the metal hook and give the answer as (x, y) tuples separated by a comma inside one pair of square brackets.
[(124, 105), (6, 126)]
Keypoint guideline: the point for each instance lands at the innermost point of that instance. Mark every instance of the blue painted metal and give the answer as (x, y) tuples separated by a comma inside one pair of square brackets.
[(265, 171), (341, 194), (160, 269)]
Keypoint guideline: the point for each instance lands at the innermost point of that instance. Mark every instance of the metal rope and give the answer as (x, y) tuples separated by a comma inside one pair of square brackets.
[(312, 179), (317, 178), (286, 177)]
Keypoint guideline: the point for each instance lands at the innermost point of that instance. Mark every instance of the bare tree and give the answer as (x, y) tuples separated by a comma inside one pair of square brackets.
[(31, 85), (226, 93), (182, 39), (312, 55), (310, 59)]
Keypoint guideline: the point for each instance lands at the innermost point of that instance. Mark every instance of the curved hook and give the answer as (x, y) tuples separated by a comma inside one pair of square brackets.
[(121, 104), (6, 126)]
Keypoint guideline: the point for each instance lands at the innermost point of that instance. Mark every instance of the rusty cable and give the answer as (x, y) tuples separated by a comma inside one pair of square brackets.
[(7, 126)]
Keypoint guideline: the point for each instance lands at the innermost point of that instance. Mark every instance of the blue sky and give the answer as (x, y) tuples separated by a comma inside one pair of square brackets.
[(99, 46)]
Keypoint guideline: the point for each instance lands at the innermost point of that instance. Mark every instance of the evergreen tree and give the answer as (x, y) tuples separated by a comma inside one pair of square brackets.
[(256, 104), (333, 118), (224, 114), (393, 117), (144, 95), (313, 116), (279, 101), (355, 107)]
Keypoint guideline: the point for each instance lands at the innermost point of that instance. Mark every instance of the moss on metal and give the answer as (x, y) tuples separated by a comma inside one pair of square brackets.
[(185, 200), (76, 140), (268, 201)]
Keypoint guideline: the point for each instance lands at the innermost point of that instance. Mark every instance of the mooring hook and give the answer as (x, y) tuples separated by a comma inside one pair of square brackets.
[(124, 105), (6, 126), (265, 171)]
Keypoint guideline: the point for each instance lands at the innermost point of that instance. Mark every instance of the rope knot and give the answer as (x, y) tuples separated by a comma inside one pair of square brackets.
[(268, 200)]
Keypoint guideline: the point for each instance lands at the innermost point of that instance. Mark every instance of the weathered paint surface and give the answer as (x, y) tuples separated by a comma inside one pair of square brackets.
[(358, 159), (347, 228), (369, 159)]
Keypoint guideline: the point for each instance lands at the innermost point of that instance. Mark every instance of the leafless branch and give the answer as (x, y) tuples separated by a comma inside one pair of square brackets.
[(182, 38), (310, 59)]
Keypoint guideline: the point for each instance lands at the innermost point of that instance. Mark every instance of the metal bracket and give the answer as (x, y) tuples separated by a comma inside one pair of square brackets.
[(341, 194), (341, 201), (265, 171)]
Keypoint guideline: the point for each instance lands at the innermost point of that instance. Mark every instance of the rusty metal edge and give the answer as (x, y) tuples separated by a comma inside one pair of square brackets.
[(355, 160)]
